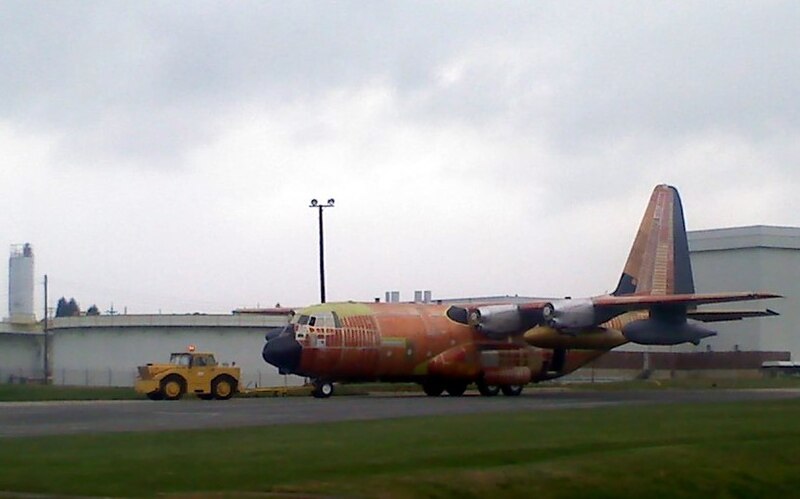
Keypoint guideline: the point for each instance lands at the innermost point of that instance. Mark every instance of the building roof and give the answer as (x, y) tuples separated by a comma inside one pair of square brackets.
[(754, 236), (490, 299), (169, 321)]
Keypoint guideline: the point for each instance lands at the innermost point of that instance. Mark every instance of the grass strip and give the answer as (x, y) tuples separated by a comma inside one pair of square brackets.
[(33, 392), (684, 450)]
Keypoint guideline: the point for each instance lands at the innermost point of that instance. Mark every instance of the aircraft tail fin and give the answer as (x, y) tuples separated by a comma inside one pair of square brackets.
[(659, 263)]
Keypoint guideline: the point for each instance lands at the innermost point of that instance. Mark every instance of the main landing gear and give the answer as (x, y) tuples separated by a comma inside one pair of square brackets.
[(434, 388), (492, 390)]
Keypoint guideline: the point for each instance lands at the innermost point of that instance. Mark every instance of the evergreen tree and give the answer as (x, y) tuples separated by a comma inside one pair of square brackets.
[(74, 308), (66, 308), (61, 308)]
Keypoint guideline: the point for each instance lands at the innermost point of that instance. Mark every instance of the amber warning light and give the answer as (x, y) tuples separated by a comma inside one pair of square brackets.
[(191, 348)]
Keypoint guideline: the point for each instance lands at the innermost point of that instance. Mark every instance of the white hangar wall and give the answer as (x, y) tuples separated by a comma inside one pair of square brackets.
[(756, 258), (105, 350), (20, 354)]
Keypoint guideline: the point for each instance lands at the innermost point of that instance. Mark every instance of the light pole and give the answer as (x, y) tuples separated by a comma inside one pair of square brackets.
[(316, 204)]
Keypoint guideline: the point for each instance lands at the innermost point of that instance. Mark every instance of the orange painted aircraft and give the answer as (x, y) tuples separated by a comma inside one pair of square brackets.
[(503, 347)]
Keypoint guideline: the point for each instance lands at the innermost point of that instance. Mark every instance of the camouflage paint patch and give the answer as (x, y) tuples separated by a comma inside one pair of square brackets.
[(347, 309), (393, 341)]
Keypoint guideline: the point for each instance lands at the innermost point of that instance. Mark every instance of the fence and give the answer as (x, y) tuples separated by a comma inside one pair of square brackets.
[(126, 377), (20, 375)]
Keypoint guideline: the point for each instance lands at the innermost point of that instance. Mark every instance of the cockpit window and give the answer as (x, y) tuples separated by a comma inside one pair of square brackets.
[(320, 319), (336, 321)]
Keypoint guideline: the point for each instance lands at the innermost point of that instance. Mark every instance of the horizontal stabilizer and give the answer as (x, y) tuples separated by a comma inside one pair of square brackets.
[(641, 302), (728, 315)]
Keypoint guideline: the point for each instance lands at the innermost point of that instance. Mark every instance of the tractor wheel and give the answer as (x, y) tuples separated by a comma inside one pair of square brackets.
[(456, 388), (322, 389), (487, 390), (173, 387), (432, 388), (223, 387), (511, 390)]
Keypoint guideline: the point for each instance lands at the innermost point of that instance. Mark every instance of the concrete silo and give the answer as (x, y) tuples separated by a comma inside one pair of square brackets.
[(20, 284)]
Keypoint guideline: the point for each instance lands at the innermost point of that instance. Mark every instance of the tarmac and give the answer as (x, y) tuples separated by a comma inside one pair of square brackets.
[(25, 419)]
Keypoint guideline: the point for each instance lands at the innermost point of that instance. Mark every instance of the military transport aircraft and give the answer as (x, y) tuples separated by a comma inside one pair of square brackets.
[(502, 347)]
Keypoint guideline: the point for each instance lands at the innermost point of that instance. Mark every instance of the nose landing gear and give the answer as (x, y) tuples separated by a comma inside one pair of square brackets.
[(322, 389)]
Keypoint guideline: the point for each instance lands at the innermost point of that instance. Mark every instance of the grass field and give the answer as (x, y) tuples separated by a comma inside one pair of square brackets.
[(32, 392), (687, 384), (687, 450)]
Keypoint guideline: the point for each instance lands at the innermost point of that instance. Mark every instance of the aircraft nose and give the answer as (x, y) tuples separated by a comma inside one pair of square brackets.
[(283, 352)]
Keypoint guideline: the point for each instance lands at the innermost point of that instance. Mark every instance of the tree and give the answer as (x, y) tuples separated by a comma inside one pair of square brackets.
[(61, 308), (66, 308), (74, 308), (93, 310)]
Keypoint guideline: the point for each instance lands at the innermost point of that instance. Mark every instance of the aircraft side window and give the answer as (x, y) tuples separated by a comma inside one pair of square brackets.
[(312, 321), (336, 322), (303, 320)]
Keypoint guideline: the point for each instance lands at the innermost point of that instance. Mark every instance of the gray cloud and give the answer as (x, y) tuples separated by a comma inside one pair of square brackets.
[(492, 133), (148, 78)]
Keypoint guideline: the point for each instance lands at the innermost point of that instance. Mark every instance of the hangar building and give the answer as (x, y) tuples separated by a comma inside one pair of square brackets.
[(104, 350), (754, 258)]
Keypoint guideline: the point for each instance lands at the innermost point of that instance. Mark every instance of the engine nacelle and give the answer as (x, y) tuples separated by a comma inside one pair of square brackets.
[(497, 321), (658, 332), (569, 314)]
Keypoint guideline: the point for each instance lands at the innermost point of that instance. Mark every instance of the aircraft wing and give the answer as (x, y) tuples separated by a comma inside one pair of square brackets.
[(574, 314)]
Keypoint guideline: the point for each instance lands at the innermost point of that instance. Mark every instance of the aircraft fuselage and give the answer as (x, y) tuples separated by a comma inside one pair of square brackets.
[(408, 342)]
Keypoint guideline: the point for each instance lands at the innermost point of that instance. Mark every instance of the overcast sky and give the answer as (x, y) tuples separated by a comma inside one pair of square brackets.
[(161, 156)]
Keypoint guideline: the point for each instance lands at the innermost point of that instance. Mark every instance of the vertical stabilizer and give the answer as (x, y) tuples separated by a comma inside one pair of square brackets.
[(658, 263)]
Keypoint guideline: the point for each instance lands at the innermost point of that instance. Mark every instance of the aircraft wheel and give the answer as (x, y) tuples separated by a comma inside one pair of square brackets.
[(511, 390), (173, 387), (432, 388), (322, 389), (456, 389), (487, 390)]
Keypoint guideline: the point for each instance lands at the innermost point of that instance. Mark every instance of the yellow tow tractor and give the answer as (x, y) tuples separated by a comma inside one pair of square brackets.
[(188, 372)]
